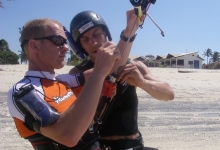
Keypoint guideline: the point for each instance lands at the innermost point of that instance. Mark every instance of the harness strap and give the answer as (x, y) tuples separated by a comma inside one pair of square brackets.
[(56, 146), (124, 144)]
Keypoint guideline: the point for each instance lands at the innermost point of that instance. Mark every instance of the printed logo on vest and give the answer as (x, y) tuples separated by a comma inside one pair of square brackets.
[(64, 97)]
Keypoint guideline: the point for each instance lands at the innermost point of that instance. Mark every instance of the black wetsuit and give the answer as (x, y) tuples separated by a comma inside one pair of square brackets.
[(121, 116)]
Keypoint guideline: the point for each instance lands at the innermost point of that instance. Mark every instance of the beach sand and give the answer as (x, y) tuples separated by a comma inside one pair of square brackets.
[(190, 122)]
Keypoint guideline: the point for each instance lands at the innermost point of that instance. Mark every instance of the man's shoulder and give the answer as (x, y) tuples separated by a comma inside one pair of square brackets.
[(19, 84)]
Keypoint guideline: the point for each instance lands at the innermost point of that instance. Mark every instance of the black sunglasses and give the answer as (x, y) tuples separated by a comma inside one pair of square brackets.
[(55, 39)]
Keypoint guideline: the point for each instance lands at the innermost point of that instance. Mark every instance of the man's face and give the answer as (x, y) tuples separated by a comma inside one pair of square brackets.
[(92, 40), (50, 54)]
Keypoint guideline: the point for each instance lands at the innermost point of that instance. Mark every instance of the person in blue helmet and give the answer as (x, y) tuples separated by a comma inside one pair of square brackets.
[(119, 129)]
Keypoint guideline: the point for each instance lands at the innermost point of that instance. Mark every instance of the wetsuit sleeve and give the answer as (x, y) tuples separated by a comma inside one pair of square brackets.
[(13, 108), (74, 81), (18, 113), (77, 90)]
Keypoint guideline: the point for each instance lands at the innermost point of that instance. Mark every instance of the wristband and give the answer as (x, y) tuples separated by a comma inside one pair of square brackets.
[(125, 38)]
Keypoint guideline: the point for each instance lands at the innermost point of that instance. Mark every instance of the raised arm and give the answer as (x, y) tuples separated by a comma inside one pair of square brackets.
[(129, 31)]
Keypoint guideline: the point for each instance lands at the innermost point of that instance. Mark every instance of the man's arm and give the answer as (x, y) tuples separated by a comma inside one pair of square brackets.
[(138, 74), (73, 122), (130, 30)]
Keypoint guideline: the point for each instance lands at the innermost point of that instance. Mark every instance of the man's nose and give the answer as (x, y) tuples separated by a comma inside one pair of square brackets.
[(65, 47), (93, 41)]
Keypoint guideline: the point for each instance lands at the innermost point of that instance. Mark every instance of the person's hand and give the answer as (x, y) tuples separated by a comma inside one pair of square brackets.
[(131, 74), (132, 20), (107, 58)]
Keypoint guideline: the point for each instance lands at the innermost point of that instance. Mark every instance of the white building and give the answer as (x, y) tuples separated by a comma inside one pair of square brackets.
[(148, 60), (185, 60)]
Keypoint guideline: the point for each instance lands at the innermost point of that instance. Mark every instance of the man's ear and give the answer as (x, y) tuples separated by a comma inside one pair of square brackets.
[(33, 44)]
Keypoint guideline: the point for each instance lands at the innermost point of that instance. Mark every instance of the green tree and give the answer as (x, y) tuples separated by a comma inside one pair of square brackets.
[(4, 45), (22, 56), (11, 58), (216, 56), (8, 57), (1, 4), (207, 53), (73, 60)]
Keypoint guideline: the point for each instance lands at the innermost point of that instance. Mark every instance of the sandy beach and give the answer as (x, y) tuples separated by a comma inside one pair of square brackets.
[(190, 122)]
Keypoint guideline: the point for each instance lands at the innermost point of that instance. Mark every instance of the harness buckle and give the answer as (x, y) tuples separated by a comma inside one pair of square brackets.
[(91, 128)]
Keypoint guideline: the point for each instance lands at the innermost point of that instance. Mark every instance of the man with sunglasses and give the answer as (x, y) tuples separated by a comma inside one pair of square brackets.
[(120, 127), (42, 104)]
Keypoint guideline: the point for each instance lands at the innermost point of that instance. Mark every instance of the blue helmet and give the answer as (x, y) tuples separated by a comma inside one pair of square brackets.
[(84, 21)]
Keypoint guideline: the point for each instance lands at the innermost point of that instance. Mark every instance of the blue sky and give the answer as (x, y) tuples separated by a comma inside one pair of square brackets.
[(189, 25)]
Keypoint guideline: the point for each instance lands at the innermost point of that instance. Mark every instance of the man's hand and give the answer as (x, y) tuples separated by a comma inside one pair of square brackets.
[(107, 57), (132, 20), (139, 75), (131, 74)]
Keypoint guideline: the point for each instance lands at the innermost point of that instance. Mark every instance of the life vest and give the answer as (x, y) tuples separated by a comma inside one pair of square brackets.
[(25, 125)]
